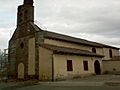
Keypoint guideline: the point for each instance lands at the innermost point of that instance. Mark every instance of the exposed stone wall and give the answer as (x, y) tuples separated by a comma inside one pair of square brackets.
[(19, 48), (22, 53), (12, 59)]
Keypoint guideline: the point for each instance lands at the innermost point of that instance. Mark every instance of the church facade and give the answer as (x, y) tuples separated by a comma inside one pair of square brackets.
[(39, 54)]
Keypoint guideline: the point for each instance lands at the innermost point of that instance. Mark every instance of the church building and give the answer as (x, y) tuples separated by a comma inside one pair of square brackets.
[(44, 55)]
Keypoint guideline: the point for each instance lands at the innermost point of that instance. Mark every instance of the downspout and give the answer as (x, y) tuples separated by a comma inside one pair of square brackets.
[(52, 68)]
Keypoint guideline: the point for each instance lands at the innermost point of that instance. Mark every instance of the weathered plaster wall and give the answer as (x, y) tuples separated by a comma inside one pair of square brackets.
[(45, 64), (60, 66), (66, 44), (111, 66), (72, 45), (31, 56), (21, 71), (115, 52), (101, 51)]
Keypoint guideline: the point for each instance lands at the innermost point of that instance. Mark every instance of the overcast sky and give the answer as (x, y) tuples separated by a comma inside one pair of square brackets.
[(95, 20)]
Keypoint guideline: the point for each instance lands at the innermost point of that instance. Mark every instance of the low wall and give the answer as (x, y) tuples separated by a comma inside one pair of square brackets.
[(111, 66)]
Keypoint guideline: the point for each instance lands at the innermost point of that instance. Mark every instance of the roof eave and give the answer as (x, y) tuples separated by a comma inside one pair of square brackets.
[(59, 52)]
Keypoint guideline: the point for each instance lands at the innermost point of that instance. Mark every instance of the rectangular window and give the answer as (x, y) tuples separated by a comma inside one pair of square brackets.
[(69, 65), (85, 63)]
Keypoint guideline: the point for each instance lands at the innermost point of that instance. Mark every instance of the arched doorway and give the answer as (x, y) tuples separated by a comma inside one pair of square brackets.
[(21, 71), (97, 67)]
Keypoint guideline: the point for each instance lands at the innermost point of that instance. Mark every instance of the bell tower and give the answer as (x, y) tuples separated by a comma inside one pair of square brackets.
[(20, 43), (29, 2), (25, 12)]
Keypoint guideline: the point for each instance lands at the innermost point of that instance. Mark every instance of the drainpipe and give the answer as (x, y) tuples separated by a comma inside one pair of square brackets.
[(52, 69)]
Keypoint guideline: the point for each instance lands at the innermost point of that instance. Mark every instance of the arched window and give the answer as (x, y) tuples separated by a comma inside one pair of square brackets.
[(94, 50), (25, 14), (110, 53), (22, 45)]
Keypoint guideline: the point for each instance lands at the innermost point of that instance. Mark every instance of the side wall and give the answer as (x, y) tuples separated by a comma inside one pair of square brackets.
[(101, 51), (72, 45), (60, 66), (115, 52), (111, 66), (45, 64)]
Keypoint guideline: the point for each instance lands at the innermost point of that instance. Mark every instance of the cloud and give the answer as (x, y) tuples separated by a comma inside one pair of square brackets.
[(5, 35), (99, 18), (80, 18)]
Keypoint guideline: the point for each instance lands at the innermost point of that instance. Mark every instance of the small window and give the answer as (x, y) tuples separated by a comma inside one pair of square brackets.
[(22, 45), (94, 50), (25, 14), (26, 11), (85, 63), (69, 65), (110, 52)]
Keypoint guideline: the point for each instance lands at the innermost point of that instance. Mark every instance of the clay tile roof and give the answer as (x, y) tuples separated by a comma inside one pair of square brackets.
[(67, 38), (66, 50), (57, 36)]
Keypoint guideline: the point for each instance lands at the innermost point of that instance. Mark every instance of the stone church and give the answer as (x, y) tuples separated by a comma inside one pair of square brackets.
[(40, 54)]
